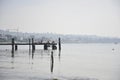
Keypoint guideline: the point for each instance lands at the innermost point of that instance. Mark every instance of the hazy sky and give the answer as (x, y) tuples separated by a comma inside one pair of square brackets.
[(92, 17)]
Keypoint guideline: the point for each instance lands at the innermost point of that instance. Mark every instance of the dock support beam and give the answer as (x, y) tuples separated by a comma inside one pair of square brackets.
[(45, 46), (13, 43), (16, 47), (52, 62), (33, 45), (59, 44)]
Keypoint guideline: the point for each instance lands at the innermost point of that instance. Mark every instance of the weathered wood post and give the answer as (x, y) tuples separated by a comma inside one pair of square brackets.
[(29, 46), (13, 43), (33, 45), (52, 62), (59, 44), (16, 47), (45, 46)]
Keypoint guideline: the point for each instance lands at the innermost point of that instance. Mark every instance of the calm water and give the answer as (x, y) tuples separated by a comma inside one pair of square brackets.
[(74, 62)]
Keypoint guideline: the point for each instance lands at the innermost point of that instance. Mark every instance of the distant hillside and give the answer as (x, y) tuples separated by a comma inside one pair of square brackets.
[(19, 36)]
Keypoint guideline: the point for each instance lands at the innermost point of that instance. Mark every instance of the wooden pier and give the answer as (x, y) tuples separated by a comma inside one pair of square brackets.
[(32, 43), (27, 43)]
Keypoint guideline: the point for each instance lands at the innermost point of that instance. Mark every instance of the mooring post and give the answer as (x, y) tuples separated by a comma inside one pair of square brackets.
[(59, 44), (33, 49), (52, 62), (13, 43), (16, 47)]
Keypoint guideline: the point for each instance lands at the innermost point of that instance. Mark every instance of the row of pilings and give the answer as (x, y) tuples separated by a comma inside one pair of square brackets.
[(32, 44)]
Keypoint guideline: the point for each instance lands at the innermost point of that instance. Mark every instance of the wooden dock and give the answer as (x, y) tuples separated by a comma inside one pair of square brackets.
[(32, 43), (26, 43)]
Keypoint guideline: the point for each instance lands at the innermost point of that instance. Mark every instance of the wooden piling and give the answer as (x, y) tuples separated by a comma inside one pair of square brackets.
[(52, 62), (45, 46), (59, 44), (13, 43), (16, 47), (33, 45)]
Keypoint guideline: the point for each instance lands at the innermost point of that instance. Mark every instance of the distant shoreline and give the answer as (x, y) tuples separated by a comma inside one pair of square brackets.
[(23, 37)]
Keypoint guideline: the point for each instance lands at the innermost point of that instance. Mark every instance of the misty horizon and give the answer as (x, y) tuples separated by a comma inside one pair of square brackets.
[(89, 17), (66, 38), (18, 31)]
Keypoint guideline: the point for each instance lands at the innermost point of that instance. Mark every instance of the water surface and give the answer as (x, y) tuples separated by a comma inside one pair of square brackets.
[(73, 62)]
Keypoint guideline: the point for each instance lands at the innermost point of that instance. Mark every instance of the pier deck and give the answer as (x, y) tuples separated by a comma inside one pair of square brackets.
[(26, 43)]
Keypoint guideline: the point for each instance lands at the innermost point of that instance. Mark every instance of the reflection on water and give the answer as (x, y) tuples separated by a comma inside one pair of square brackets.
[(33, 54), (12, 63), (12, 53), (77, 62), (59, 54)]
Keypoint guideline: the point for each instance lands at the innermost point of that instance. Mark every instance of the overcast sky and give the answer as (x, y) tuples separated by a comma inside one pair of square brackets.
[(91, 17)]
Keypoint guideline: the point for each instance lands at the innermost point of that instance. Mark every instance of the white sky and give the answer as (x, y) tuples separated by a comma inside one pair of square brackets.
[(91, 17)]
